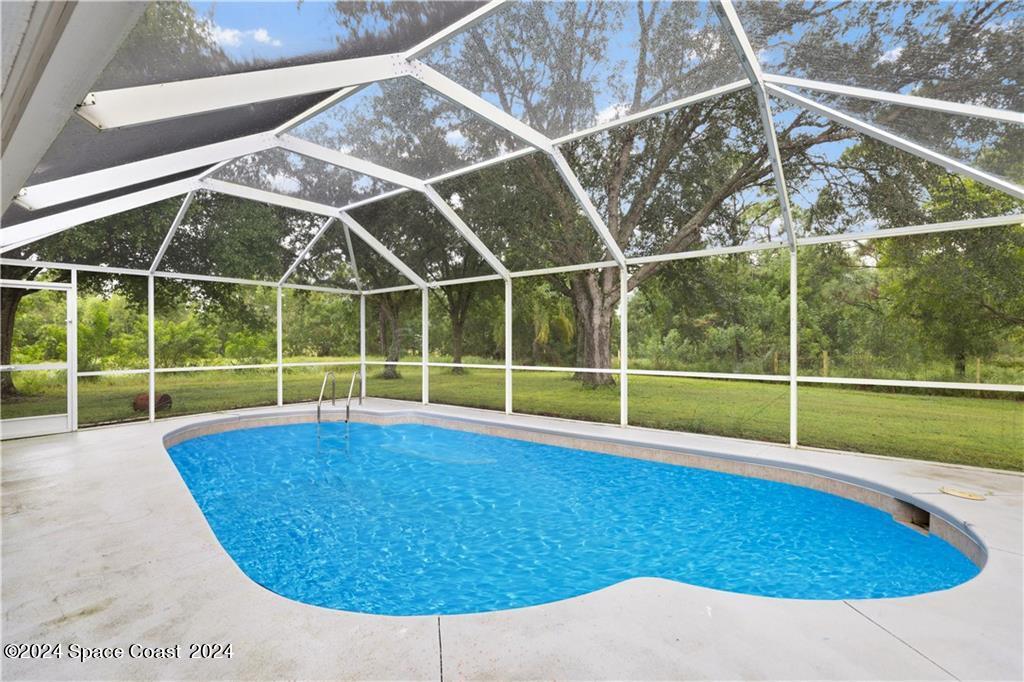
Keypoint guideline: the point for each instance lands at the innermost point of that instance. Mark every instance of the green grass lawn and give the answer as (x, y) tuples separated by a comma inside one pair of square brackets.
[(966, 429)]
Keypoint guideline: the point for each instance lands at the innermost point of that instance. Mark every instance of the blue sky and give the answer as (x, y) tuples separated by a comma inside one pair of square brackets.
[(271, 30)]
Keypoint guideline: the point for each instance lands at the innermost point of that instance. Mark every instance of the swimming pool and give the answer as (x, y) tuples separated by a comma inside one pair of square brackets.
[(410, 519)]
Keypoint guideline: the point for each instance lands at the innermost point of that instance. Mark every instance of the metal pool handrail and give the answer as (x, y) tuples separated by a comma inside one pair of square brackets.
[(348, 404), (323, 387)]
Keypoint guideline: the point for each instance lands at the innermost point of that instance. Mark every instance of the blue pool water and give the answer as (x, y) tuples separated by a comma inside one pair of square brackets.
[(412, 519)]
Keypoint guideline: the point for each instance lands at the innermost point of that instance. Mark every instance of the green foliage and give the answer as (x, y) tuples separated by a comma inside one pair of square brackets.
[(318, 324), (727, 314)]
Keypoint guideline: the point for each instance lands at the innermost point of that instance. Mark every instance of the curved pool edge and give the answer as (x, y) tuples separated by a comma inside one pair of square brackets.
[(904, 507)]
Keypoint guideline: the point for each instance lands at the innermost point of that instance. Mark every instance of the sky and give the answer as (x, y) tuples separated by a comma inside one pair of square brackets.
[(270, 30)]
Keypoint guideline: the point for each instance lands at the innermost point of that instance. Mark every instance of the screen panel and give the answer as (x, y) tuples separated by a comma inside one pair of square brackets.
[(841, 181), (213, 323), (720, 314), (214, 390), (960, 427), (407, 385), (691, 178), (130, 239), (566, 320), (467, 323), (319, 326), (757, 410), (182, 40), (561, 394), (525, 214), (403, 125), (113, 326), (939, 307), (955, 50), (563, 67), (284, 172), (394, 329), (227, 236), (480, 388), (411, 228), (113, 399), (39, 393), (303, 384)]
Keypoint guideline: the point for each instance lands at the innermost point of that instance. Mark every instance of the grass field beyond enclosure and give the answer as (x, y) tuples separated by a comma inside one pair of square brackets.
[(966, 430)]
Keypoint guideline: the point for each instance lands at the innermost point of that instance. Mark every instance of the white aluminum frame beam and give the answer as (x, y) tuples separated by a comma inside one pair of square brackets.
[(913, 101), (752, 67), (467, 99), (468, 234), (644, 114), (267, 197), (932, 228), (305, 251), (950, 164), (148, 103), (55, 192), (336, 158), (352, 259), (577, 190), (319, 209), (87, 184), (33, 230), (384, 252), (171, 232)]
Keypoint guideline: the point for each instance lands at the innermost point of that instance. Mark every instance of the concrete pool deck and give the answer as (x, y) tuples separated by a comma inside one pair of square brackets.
[(103, 546)]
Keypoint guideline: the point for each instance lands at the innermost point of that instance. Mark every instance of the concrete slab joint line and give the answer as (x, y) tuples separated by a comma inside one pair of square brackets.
[(440, 651), (900, 639)]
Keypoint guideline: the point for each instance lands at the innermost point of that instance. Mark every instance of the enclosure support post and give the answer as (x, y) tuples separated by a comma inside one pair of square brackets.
[(72, 351), (623, 347), (508, 346), (280, 350), (425, 351), (151, 343), (793, 337), (362, 345)]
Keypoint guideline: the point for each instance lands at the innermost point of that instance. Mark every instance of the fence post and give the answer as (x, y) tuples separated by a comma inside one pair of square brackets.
[(824, 363), (150, 314), (72, 351), (623, 346), (362, 344), (508, 346), (793, 334), (425, 350), (977, 370), (280, 350)]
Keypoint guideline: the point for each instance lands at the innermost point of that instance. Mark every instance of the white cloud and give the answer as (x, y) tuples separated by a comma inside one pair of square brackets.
[(455, 138), (611, 113), (233, 37), (225, 37), (890, 55), (261, 35), (283, 183)]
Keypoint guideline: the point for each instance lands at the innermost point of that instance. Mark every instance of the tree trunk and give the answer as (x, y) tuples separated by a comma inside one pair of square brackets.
[(459, 300), (960, 362), (390, 336), (458, 327), (8, 310), (594, 296)]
